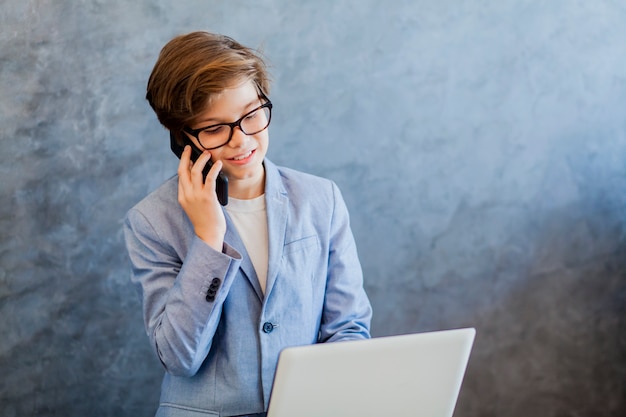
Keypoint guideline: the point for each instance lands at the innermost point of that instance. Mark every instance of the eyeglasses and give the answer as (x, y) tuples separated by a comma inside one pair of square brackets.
[(251, 123)]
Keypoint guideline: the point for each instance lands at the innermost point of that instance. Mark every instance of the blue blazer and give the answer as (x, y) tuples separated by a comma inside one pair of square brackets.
[(217, 335)]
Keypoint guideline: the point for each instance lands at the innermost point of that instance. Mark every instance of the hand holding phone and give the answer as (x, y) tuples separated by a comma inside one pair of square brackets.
[(197, 197), (221, 183)]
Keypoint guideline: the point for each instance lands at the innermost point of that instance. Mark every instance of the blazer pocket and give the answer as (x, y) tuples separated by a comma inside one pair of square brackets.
[(175, 410), (301, 257), (304, 244)]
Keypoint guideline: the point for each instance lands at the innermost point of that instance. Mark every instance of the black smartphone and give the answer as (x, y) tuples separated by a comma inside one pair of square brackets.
[(221, 183)]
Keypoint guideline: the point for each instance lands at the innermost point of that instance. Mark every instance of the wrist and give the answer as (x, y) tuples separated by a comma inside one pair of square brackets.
[(214, 240)]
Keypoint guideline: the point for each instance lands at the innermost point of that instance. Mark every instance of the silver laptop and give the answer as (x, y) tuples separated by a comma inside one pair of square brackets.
[(407, 375)]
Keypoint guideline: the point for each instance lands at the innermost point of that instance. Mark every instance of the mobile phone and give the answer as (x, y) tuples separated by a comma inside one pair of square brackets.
[(221, 183)]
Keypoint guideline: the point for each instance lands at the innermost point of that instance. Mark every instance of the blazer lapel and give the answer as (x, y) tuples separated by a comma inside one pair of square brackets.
[(234, 240), (276, 203)]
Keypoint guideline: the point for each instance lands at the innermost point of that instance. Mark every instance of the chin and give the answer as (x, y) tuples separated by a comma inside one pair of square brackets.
[(246, 174)]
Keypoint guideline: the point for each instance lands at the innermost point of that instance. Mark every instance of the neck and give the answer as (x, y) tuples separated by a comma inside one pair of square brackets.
[(247, 188)]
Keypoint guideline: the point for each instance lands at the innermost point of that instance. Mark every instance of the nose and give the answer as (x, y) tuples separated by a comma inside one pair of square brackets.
[(238, 138)]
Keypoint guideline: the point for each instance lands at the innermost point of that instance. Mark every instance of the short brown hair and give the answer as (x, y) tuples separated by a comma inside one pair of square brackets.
[(193, 68)]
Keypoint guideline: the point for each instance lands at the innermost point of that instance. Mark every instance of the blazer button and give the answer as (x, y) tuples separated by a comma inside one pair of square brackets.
[(268, 327), (212, 291)]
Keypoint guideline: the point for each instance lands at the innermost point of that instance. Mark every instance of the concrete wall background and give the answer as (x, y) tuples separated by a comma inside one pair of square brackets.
[(481, 148)]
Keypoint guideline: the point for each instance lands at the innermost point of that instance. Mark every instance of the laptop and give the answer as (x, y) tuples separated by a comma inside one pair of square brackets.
[(400, 376)]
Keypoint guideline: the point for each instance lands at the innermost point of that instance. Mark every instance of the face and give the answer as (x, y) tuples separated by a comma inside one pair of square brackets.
[(242, 157)]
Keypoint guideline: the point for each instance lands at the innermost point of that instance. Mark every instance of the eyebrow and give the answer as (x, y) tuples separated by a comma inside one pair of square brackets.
[(215, 121)]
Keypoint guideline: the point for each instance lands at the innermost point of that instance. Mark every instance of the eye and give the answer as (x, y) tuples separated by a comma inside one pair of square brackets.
[(214, 130), (252, 115)]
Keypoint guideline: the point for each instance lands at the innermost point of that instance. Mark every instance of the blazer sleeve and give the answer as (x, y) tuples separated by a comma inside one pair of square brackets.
[(347, 311), (180, 319)]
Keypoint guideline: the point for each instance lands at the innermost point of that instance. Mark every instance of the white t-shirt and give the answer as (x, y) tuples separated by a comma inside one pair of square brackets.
[(250, 219)]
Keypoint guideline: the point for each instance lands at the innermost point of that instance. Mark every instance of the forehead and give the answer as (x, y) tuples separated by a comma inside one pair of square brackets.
[(230, 102), (237, 93)]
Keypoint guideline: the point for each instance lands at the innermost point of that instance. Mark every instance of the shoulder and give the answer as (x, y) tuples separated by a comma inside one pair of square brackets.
[(165, 196), (309, 198), (159, 209), (300, 185), (290, 177)]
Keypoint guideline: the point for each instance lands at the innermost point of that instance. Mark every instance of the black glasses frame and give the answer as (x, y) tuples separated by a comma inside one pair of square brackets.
[(196, 132)]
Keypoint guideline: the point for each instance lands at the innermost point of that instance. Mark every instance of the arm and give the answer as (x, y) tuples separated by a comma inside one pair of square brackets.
[(347, 310), (179, 319)]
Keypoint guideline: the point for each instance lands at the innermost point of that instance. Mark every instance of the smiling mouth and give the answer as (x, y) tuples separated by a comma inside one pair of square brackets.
[(242, 157)]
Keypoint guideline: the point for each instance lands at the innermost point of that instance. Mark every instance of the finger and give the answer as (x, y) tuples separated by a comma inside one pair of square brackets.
[(198, 167), (185, 187), (184, 165), (213, 173)]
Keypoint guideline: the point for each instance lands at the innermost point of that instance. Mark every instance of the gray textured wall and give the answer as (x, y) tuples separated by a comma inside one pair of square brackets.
[(480, 145)]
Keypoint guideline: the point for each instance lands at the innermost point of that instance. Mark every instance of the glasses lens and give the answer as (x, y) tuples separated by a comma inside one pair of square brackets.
[(256, 121), (214, 136)]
